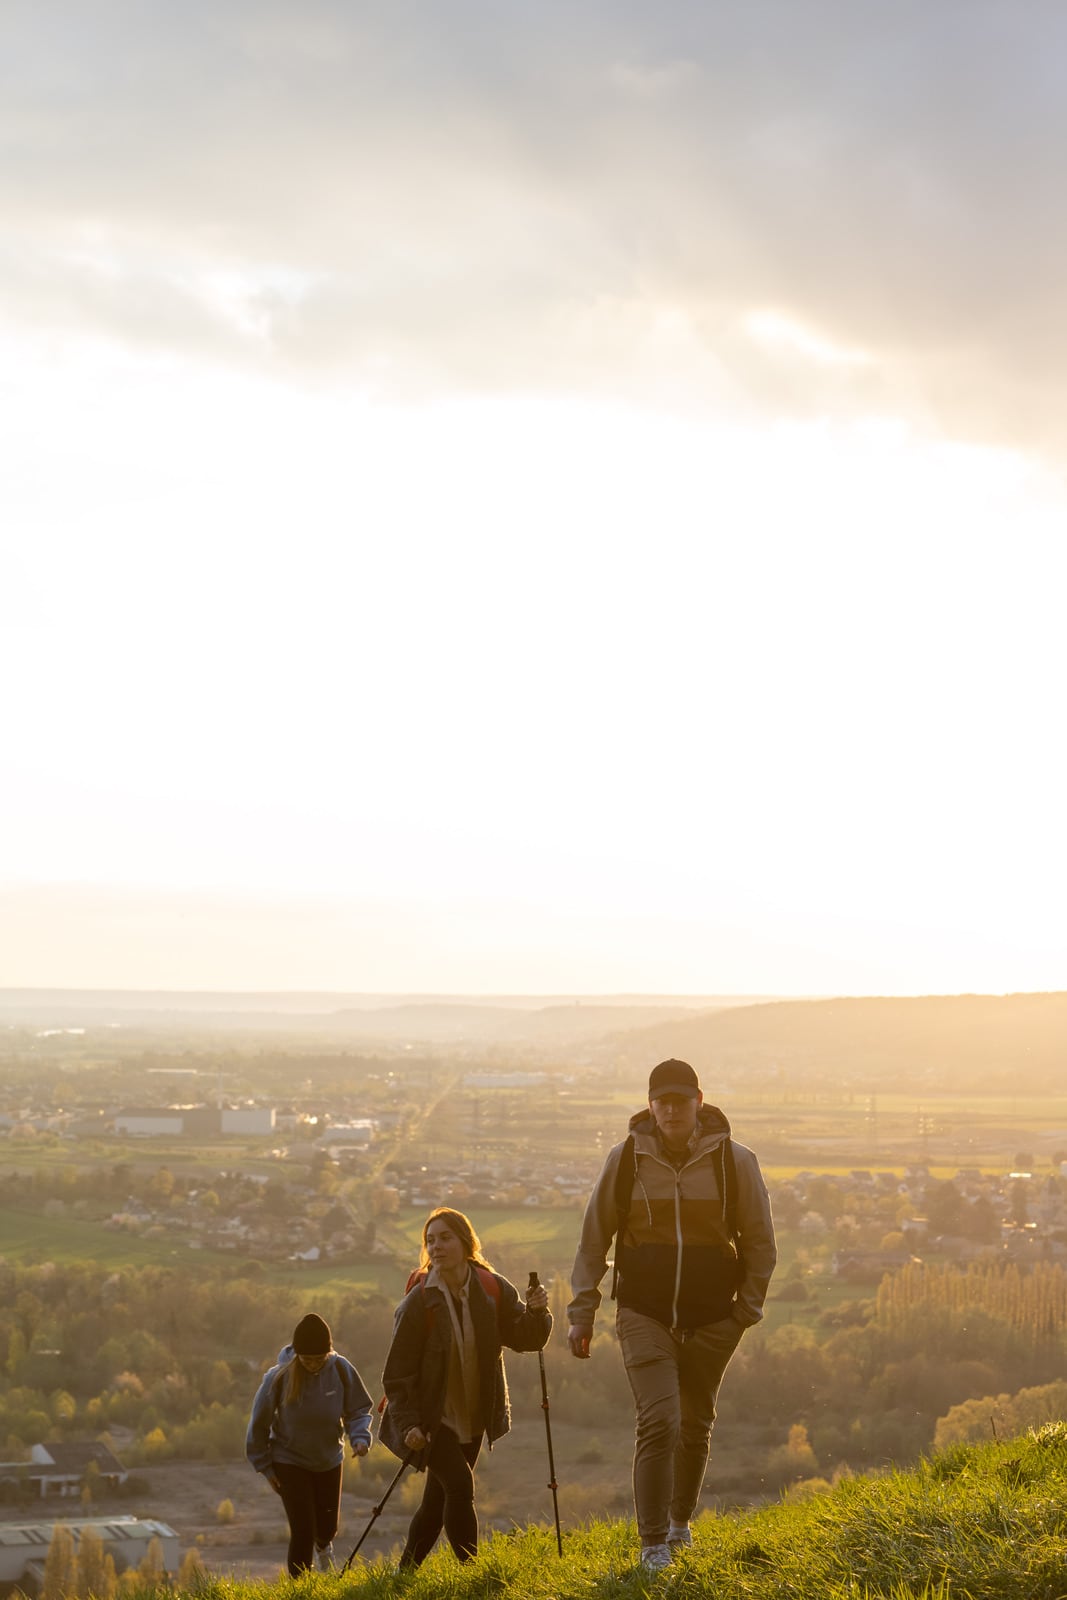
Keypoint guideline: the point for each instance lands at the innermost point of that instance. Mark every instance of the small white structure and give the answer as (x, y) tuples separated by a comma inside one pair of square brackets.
[(24, 1545), (60, 1467), (340, 1136)]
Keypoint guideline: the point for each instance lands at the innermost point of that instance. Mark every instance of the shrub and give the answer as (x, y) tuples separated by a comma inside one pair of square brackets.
[(191, 1573)]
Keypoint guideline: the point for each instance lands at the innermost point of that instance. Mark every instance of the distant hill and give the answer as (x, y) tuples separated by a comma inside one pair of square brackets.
[(451, 1023), (324, 1001), (1015, 1043), (1012, 1043), (549, 1021)]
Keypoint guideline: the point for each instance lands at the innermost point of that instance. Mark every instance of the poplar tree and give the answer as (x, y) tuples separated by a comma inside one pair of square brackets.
[(60, 1567), (92, 1576)]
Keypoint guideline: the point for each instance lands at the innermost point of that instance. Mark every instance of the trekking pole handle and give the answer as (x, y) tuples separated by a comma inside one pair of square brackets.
[(534, 1283)]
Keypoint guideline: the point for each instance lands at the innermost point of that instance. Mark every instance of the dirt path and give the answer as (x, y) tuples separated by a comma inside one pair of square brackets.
[(187, 1495), (511, 1491)]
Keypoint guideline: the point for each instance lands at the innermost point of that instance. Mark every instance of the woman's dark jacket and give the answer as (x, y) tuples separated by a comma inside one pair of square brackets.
[(416, 1368)]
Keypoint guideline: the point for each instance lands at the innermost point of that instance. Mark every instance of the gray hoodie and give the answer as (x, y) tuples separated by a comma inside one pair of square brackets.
[(333, 1403)]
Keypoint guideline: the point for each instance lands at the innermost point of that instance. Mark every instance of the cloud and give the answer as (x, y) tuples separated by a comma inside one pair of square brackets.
[(491, 195)]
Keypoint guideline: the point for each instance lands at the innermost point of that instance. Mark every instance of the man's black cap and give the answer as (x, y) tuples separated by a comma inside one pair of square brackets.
[(673, 1077)]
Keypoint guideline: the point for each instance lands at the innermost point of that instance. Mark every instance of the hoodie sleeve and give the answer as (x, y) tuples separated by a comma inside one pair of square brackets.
[(357, 1405), (257, 1439), (598, 1230), (759, 1252)]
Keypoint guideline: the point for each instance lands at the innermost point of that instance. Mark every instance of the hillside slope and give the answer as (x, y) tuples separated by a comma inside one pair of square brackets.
[(1015, 1043), (988, 1522)]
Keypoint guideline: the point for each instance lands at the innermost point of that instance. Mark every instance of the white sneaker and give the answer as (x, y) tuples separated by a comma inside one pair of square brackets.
[(680, 1539), (655, 1557), (324, 1558)]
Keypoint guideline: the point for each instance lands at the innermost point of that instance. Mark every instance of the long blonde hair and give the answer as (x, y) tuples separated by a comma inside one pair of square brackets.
[(291, 1381), (463, 1228)]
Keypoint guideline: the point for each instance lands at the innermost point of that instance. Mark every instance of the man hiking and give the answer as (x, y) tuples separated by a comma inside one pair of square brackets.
[(694, 1253)]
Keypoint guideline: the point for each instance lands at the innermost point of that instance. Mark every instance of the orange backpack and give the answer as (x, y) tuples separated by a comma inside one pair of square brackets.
[(487, 1280)]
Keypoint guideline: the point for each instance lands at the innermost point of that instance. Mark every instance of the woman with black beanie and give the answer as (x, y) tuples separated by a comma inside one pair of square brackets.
[(303, 1410)]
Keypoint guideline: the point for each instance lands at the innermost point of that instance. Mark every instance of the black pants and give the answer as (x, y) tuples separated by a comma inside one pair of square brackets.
[(312, 1502), (447, 1500)]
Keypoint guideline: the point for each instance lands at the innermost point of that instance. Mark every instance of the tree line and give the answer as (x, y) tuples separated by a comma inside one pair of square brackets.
[(172, 1355)]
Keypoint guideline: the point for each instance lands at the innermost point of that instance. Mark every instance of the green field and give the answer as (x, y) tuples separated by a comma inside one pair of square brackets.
[(144, 1155), (515, 1241), (26, 1236), (834, 1130), (544, 1239)]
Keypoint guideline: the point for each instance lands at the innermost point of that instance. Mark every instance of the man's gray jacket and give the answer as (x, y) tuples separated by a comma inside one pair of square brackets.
[(678, 1262)]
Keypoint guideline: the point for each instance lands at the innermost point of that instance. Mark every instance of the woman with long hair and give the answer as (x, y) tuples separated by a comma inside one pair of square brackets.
[(303, 1410), (444, 1378)]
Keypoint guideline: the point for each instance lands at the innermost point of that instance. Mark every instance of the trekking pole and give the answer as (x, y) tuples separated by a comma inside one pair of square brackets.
[(553, 1485), (378, 1509)]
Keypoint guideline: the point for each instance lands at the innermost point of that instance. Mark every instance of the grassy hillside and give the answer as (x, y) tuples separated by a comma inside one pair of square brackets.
[(983, 1522), (1009, 1042)]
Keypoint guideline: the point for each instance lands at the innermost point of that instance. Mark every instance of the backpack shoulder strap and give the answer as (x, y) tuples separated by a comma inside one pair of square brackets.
[(625, 1174), (418, 1277), (486, 1278), (489, 1283), (279, 1383), (726, 1171)]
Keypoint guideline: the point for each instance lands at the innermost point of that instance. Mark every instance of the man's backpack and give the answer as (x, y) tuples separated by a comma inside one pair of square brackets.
[(626, 1173)]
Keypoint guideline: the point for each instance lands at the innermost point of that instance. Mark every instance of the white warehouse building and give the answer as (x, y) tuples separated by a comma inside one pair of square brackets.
[(24, 1545)]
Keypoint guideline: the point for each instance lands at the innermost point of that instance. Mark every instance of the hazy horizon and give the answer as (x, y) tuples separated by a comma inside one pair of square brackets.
[(11, 996), (564, 499)]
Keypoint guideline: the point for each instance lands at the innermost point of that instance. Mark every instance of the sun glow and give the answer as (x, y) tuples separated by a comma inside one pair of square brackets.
[(780, 332), (623, 679)]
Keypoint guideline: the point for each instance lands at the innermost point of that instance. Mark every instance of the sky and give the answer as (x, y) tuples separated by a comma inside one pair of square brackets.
[(506, 498)]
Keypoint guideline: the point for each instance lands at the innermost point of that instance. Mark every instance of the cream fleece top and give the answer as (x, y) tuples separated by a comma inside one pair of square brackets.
[(462, 1396)]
